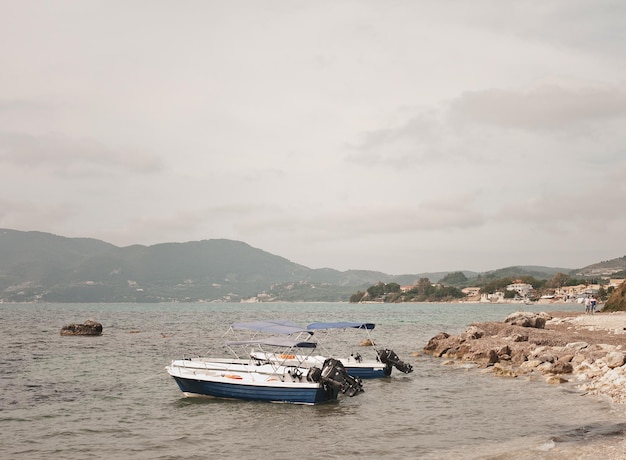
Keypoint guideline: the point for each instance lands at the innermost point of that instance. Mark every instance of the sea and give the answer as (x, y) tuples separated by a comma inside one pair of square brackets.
[(109, 397)]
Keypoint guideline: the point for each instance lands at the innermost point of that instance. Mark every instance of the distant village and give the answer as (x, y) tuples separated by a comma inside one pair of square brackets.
[(524, 293)]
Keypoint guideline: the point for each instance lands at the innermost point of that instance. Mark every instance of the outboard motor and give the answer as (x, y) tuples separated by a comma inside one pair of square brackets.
[(333, 374), (389, 357), (314, 375)]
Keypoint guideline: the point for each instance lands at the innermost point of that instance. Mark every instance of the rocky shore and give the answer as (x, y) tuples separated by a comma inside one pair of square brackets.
[(587, 350)]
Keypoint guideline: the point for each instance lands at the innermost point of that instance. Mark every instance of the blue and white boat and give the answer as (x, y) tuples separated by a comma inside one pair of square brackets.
[(356, 366), (273, 381)]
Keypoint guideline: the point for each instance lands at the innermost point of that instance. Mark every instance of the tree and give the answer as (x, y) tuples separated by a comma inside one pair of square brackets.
[(509, 294), (423, 285), (356, 298), (455, 279), (495, 285), (557, 281), (377, 290)]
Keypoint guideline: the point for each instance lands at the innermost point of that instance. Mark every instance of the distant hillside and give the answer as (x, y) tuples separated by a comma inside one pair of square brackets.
[(617, 300), (520, 271), (604, 268), (37, 266)]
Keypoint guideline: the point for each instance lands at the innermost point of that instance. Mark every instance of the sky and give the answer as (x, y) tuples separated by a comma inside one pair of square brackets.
[(400, 136)]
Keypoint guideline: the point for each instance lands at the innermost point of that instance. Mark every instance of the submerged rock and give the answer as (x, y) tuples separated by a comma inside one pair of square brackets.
[(89, 328)]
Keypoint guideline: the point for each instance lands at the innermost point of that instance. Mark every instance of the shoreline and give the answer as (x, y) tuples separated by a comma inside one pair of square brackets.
[(584, 350), (560, 347)]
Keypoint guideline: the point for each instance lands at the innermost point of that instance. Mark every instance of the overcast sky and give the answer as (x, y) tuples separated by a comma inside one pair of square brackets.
[(401, 136)]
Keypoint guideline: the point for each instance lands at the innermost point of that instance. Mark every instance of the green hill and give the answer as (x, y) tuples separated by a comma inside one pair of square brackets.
[(38, 266)]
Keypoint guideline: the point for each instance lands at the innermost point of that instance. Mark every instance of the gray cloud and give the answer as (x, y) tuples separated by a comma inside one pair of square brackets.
[(71, 156), (456, 211), (27, 215), (541, 108), (399, 136)]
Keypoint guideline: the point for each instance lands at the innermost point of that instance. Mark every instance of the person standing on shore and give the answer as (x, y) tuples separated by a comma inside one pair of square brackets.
[(593, 303), (587, 305)]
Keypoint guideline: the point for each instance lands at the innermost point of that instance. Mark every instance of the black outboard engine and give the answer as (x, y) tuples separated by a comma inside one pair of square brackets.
[(389, 357), (333, 374)]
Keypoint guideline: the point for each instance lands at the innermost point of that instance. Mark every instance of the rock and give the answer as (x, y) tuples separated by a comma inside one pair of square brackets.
[(88, 328), (546, 358), (518, 356), (562, 367), (518, 338), (433, 343), (474, 332), (577, 345), (500, 371), (528, 344), (615, 359), (528, 366), (527, 319), (545, 367), (366, 343), (504, 351)]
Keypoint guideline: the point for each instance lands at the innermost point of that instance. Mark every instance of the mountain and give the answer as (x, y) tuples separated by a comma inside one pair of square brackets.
[(604, 268), (519, 271), (38, 266)]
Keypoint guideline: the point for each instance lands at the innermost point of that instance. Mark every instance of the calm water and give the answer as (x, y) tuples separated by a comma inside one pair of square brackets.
[(110, 397)]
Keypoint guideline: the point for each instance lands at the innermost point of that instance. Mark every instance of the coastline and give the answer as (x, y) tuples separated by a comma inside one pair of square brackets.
[(583, 350)]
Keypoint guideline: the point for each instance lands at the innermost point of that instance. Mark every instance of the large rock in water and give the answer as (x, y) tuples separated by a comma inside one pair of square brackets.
[(89, 327)]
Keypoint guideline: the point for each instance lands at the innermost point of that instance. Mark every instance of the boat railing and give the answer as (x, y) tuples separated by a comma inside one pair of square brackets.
[(345, 342)]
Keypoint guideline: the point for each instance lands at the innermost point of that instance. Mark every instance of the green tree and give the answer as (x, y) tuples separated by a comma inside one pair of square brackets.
[(558, 280), (454, 279), (377, 290), (495, 285), (509, 294), (356, 298)]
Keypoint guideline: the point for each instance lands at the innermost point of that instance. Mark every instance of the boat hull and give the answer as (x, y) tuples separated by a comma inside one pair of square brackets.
[(365, 369), (369, 372), (296, 394)]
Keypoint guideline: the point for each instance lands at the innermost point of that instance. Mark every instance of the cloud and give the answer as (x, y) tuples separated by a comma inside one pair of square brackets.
[(68, 156), (26, 215), (589, 207), (415, 140), (494, 126), (452, 212), (540, 108)]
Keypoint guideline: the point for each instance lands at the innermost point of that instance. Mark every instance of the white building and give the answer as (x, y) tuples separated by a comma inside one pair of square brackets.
[(521, 288)]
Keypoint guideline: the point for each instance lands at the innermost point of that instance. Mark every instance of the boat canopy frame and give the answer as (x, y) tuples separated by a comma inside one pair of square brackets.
[(323, 332)]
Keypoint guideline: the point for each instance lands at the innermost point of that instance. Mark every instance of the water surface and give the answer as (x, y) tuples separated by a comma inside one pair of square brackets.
[(110, 397)]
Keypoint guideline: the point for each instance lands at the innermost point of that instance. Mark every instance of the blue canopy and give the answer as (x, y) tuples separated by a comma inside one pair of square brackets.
[(341, 325), (276, 342), (279, 326)]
